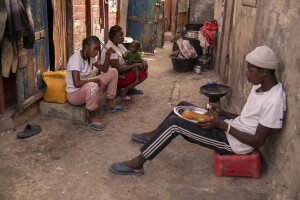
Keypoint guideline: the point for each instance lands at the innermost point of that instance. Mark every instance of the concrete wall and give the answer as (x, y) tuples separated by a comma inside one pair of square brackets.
[(201, 11), (275, 24), (123, 15)]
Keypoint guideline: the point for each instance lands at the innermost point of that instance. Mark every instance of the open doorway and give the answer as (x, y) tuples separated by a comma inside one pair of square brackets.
[(50, 35), (10, 91)]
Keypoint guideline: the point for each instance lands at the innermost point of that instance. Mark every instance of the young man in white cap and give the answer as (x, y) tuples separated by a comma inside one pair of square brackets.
[(238, 134)]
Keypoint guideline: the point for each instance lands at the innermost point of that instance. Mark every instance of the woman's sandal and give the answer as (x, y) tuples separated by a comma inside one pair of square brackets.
[(127, 99), (93, 127)]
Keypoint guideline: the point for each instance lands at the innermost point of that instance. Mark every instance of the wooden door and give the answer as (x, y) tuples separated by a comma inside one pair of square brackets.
[(29, 77)]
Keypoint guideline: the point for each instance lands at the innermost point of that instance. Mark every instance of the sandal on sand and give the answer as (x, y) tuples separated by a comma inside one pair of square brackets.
[(94, 123), (116, 109), (121, 169), (135, 91), (127, 99), (29, 130)]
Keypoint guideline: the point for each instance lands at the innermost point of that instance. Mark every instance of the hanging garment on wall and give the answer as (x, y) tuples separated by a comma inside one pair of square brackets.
[(202, 40), (9, 57), (18, 23), (207, 31), (3, 17)]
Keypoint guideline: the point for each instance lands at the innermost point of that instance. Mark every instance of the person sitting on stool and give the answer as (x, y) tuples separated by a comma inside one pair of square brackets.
[(263, 111)]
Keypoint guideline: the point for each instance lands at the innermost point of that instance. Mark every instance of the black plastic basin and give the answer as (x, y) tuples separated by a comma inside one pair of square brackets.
[(182, 64)]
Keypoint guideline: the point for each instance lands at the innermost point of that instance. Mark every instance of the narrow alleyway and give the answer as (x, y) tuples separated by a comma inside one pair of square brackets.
[(68, 160)]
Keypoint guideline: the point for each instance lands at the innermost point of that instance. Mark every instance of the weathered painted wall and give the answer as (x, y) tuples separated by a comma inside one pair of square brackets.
[(201, 11), (275, 24), (123, 17)]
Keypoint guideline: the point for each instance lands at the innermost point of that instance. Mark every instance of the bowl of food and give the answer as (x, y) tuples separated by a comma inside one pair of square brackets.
[(191, 113)]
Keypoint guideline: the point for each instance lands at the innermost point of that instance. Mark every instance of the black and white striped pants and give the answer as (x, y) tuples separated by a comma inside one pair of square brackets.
[(174, 125)]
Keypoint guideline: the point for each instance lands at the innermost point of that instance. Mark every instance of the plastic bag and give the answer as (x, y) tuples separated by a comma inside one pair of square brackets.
[(186, 49)]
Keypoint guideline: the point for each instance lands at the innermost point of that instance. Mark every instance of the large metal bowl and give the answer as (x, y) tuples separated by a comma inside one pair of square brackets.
[(179, 110), (214, 90)]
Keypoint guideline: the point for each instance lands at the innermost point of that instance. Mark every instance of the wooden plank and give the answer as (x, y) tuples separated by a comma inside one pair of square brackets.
[(43, 34), (142, 20), (69, 34), (118, 18), (37, 35), (101, 14), (88, 17), (228, 14), (106, 22), (34, 98), (2, 99)]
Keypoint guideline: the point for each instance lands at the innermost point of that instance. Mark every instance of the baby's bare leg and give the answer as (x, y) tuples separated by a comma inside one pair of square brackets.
[(137, 74)]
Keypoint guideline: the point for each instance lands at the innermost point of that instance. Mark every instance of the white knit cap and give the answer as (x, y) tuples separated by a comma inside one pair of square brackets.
[(263, 57)]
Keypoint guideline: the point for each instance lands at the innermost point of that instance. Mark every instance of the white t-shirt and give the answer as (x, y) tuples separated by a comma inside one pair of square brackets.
[(76, 63), (265, 108), (120, 49)]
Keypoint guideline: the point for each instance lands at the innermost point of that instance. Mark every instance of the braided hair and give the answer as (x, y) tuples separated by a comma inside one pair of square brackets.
[(89, 41), (113, 31)]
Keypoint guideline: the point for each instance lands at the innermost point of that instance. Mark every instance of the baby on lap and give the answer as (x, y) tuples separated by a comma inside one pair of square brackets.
[(133, 56)]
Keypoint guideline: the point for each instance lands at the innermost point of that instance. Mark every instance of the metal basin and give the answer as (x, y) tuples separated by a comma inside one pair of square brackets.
[(214, 91)]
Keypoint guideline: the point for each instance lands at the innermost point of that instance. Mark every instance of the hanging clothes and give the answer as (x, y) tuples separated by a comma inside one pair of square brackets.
[(9, 57), (18, 23), (207, 31), (3, 17)]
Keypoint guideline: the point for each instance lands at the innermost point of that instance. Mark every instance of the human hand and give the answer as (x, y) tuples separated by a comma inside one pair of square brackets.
[(132, 60), (213, 122), (144, 65), (110, 51), (214, 109), (102, 86), (139, 65)]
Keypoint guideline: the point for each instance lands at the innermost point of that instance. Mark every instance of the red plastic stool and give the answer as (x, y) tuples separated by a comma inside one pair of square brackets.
[(245, 165)]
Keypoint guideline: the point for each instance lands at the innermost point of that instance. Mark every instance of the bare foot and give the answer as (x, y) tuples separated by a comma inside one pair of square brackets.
[(110, 106), (95, 125), (93, 119), (136, 163), (149, 134)]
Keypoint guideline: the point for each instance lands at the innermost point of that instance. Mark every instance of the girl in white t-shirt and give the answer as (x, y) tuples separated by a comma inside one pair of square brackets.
[(82, 90)]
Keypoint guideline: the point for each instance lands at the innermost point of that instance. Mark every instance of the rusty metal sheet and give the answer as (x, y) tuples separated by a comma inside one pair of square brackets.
[(141, 22)]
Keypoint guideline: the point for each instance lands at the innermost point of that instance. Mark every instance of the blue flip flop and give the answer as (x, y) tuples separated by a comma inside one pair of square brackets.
[(121, 169), (115, 109), (94, 123)]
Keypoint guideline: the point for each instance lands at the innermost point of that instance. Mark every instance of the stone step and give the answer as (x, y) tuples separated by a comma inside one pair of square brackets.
[(68, 111)]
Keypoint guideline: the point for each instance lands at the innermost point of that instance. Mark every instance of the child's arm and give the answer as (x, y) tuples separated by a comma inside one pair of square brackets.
[(125, 55)]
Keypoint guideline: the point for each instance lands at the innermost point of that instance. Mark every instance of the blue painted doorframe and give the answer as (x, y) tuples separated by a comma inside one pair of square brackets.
[(29, 78), (142, 22)]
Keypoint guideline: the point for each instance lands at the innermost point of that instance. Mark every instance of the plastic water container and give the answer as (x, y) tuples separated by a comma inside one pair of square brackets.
[(56, 86)]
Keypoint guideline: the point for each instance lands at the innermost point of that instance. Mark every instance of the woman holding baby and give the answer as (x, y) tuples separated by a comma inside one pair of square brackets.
[(117, 61)]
